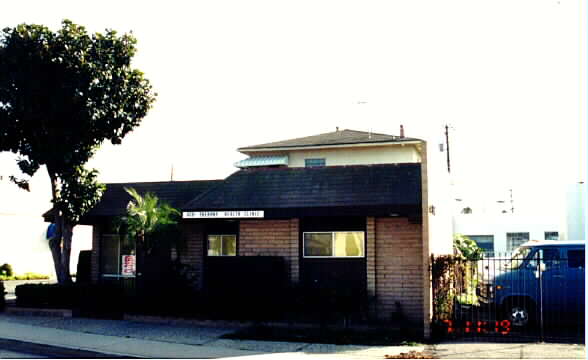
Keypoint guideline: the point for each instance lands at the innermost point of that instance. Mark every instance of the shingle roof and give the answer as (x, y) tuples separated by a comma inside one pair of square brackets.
[(321, 187), (175, 193), (333, 138)]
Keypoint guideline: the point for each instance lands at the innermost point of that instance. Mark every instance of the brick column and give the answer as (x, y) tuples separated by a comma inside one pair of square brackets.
[(294, 258), (371, 265), (271, 238), (95, 267), (193, 253)]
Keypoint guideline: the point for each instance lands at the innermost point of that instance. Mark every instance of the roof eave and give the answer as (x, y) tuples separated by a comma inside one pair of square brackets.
[(246, 150)]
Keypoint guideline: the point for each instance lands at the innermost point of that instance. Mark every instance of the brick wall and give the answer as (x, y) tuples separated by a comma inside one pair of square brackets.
[(398, 268), (95, 267), (193, 253), (271, 238), (371, 264)]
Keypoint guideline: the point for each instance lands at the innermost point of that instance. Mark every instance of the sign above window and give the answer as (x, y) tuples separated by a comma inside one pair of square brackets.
[(222, 214)]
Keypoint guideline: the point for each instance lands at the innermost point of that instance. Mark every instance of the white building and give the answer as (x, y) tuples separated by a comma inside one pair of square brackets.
[(574, 222), (502, 233), (23, 242)]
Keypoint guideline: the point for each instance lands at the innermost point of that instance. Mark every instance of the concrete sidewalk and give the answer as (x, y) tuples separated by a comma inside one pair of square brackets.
[(191, 340), (152, 340)]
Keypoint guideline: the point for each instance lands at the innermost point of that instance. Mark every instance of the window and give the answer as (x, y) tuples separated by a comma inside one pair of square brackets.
[(576, 258), (314, 162), (222, 245), (514, 240), (551, 235), (486, 242), (117, 256), (550, 257), (334, 244)]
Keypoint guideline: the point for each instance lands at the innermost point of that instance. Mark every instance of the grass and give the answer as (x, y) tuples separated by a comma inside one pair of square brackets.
[(25, 276), (325, 336)]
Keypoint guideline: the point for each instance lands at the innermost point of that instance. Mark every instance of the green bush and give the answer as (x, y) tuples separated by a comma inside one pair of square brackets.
[(25, 276), (94, 300), (45, 295), (466, 247)]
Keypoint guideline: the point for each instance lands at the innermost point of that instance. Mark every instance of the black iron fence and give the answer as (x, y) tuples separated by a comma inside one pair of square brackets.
[(512, 297)]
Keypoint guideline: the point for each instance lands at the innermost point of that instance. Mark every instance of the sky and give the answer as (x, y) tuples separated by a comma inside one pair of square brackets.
[(507, 76)]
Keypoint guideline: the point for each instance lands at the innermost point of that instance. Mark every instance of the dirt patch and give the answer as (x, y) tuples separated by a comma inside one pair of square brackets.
[(412, 355)]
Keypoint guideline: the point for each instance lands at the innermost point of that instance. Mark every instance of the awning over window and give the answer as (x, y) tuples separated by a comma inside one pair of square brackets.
[(262, 161)]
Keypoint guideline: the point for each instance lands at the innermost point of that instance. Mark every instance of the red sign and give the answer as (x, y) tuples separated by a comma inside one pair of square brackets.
[(128, 265)]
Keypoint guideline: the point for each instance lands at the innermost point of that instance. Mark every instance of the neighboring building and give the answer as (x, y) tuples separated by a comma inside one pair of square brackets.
[(502, 233), (346, 209), (574, 223), (23, 233)]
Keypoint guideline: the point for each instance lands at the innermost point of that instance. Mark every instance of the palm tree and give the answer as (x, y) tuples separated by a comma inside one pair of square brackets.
[(152, 225), (146, 216)]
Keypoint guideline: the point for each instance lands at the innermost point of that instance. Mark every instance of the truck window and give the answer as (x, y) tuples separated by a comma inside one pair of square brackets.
[(576, 258), (550, 257)]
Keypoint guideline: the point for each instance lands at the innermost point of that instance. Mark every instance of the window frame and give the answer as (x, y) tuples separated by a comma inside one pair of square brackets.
[(363, 245), (324, 162), (119, 248), (491, 236), (546, 233), (221, 242), (509, 240)]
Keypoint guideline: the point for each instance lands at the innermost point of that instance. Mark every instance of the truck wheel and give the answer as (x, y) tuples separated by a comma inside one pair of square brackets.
[(520, 312)]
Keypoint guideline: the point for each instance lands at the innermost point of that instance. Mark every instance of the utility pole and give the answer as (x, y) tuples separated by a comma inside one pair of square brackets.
[(511, 202), (447, 146)]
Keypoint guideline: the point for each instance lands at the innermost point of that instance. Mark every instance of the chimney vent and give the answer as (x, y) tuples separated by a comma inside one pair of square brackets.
[(401, 131)]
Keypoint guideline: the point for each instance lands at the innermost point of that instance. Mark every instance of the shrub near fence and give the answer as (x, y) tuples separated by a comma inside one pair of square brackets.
[(96, 300), (454, 282)]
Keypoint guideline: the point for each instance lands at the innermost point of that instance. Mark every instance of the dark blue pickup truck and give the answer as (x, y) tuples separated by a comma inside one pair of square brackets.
[(542, 277)]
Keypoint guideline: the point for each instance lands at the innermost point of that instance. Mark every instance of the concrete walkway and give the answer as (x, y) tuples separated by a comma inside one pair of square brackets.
[(189, 340)]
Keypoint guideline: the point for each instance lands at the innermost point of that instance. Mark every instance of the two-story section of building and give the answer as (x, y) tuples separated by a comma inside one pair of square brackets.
[(346, 211)]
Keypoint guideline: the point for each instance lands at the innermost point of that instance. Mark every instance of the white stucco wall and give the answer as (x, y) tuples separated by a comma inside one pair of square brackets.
[(357, 155), (350, 155), (499, 225), (439, 189), (574, 224)]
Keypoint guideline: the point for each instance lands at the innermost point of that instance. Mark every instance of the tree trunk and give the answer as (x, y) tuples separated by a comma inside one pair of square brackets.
[(66, 252), (60, 244), (54, 245)]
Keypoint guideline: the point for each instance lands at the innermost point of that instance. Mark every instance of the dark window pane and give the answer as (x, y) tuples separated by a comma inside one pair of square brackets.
[(314, 162), (514, 240), (550, 257), (551, 235), (486, 242), (318, 244), (576, 258), (110, 254)]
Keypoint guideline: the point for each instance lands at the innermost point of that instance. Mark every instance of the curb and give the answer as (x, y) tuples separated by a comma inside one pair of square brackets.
[(13, 310)]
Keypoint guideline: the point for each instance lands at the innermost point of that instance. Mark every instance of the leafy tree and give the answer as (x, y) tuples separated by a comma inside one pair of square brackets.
[(62, 94), (466, 247)]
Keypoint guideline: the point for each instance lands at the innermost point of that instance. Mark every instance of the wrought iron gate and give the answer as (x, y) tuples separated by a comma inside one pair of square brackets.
[(511, 298)]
